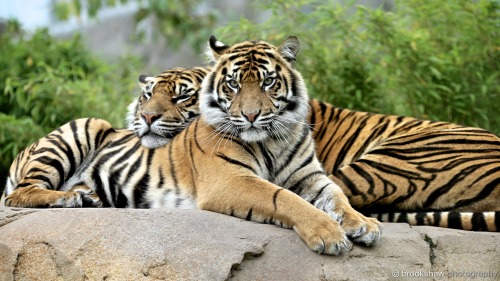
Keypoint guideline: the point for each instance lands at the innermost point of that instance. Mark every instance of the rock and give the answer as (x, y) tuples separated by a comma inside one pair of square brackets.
[(134, 244)]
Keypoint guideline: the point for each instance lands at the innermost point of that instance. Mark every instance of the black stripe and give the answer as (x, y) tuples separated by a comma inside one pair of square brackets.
[(114, 186), (249, 215), (40, 178), (454, 220), (462, 141), (246, 147), (47, 149), (346, 148), (437, 218), (172, 171), (390, 217), (133, 170), (69, 154), (302, 165), (319, 193), (330, 144), (294, 83), (56, 165), (99, 187), (403, 217), (195, 135), (78, 144), (478, 222), (87, 134), (24, 184), (144, 183), (350, 185), (127, 154), (121, 201), (293, 153), (275, 197), (235, 162), (188, 145), (420, 218), (101, 136), (365, 175), (497, 221), (268, 161), (139, 190), (485, 191), (297, 188)]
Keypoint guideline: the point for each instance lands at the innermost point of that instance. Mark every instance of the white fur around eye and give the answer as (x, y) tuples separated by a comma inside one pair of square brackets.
[(182, 98)]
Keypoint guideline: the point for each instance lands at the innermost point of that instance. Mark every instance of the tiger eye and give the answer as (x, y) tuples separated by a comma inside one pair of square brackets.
[(268, 81), (233, 84)]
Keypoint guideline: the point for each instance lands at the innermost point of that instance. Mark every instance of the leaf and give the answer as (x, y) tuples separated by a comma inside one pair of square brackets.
[(435, 72)]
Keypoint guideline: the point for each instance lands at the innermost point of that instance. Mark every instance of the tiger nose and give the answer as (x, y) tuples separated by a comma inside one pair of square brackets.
[(251, 115), (150, 118)]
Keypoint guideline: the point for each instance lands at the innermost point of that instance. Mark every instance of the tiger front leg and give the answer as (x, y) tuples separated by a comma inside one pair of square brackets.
[(39, 197), (261, 201), (327, 196)]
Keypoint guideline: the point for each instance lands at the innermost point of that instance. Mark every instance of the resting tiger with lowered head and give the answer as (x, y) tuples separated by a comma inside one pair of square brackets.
[(252, 129)]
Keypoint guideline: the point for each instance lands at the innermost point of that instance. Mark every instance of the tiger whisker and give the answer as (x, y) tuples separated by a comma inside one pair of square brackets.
[(303, 123), (278, 127)]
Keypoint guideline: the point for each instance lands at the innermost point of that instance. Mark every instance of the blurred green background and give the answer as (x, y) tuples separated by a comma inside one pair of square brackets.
[(428, 59)]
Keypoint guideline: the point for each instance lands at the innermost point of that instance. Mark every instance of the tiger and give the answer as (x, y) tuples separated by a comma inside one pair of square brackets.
[(252, 130), (393, 189), (157, 122), (402, 169)]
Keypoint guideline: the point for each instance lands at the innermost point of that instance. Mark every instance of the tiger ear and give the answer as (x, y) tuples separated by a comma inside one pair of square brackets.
[(217, 49), (144, 82), (289, 48)]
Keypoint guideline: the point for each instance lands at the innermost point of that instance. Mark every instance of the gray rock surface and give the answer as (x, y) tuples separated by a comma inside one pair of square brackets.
[(118, 244)]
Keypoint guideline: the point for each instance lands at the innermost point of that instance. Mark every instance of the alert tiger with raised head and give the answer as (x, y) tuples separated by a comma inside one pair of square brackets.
[(444, 175), (252, 130)]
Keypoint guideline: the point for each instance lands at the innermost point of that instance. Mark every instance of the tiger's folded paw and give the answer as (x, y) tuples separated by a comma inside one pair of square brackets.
[(360, 229), (66, 199), (36, 197), (89, 197)]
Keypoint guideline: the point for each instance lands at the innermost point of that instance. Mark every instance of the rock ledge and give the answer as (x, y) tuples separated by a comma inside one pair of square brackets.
[(131, 244)]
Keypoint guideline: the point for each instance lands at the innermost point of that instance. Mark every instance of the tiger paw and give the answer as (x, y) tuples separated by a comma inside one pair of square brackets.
[(324, 235), (36, 197), (89, 197), (360, 229), (66, 199)]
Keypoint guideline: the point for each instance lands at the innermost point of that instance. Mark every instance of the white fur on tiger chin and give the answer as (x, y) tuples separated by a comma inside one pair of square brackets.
[(152, 140)]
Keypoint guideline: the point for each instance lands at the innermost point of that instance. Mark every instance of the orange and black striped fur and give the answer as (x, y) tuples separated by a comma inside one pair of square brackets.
[(158, 121), (54, 159), (250, 154), (435, 173)]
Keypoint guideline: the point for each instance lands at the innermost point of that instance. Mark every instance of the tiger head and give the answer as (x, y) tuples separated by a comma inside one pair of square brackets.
[(253, 91), (167, 104)]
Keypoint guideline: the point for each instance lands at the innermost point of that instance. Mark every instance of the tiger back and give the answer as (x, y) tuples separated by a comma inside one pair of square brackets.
[(409, 170)]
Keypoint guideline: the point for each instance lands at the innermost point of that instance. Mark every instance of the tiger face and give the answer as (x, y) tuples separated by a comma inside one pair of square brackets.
[(167, 104), (254, 92)]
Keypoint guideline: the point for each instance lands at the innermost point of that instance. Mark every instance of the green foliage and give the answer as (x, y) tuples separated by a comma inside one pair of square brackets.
[(45, 83), (429, 59)]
